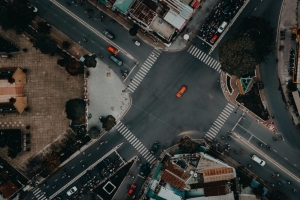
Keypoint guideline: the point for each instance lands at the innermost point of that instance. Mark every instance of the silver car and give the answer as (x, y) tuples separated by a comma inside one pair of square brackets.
[(72, 191)]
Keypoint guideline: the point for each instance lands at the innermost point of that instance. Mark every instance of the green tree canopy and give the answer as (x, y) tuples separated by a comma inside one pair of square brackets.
[(75, 108), (251, 45), (237, 56), (187, 145), (94, 132), (108, 122), (74, 67), (46, 44), (15, 15), (44, 28), (90, 60)]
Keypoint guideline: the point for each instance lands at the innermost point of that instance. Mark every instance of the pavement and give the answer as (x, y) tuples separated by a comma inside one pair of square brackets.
[(288, 21), (105, 94)]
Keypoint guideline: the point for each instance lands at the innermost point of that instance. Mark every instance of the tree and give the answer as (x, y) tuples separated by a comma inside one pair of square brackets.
[(74, 67), (66, 44), (46, 44), (258, 191), (75, 109), (94, 132), (62, 62), (262, 34), (133, 31), (108, 122), (187, 145), (237, 56), (90, 60), (44, 28), (15, 15)]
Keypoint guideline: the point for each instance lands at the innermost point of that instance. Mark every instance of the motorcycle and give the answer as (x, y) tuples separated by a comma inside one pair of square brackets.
[(85, 40)]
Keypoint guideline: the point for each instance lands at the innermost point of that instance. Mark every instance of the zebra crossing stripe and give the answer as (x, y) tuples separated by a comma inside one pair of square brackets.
[(148, 63), (143, 150), (214, 130), (219, 70), (225, 113), (148, 156), (219, 123), (139, 145), (209, 133), (146, 66), (132, 86), (132, 138), (204, 58), (41, 197), (211, 137), (200, 55), (131, 90), (37, 190), (192, 50), (135, 82), (141, 72), (138, 76), (229, 111), (126, 134), (133, 141), (118, 125), (144, 70), (151, 59), (231, 106), (135, 144), (209, 58), (196, 52), (151, 161), (223, 117), (44, 198), (212, 60), (218, 126)]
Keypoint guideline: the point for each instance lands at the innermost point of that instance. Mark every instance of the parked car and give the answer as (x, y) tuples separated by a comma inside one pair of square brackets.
[(113, 50), (213, 39), (108, 34), (154, 148), (181, 91), (145, 170), (131, 189), (222, 27), (116, 60), (72, 191)]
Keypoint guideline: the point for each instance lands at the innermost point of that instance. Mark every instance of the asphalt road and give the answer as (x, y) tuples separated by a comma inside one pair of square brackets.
[(157, 115)]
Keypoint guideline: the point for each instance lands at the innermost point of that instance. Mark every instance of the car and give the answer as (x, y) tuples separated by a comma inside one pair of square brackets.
[(33, 8), (116, 60), (258, 160), (108, 34), (181, 91), (227, 8), (113, 50), (213, 39), (222, 27), (145, 170), (72, 191), (131, 190), (154, 148), (137, 43)]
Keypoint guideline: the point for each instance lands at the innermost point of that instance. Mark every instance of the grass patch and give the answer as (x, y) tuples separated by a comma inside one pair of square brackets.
[(252, 101)]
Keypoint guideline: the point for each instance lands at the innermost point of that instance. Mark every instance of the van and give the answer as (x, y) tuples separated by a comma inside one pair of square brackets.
[(213, 39), (258, 160), (116, 60), (108, 34), (222, 27), (112, 50)]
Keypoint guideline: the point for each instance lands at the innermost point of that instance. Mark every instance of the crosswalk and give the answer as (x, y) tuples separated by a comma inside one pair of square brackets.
[(135, 142), (140, 75), (205, 58), (217, 125), (39, 194)]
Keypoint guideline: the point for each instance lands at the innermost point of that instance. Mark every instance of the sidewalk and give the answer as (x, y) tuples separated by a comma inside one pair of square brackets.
[(288, 20)]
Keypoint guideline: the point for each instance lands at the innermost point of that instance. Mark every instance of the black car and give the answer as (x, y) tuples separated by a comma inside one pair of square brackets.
[(154, 148), (145, 170)]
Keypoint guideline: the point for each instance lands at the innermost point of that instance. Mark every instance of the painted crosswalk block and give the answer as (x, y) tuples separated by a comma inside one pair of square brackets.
[(39, 194), (137, 79), (135, 142), (217, 125), (205, 58)]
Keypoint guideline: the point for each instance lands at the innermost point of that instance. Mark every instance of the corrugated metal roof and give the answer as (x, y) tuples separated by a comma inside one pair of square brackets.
[(174, 19), (184, 10)]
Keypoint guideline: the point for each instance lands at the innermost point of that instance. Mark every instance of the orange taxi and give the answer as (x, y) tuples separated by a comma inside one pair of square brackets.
[(181, 91)]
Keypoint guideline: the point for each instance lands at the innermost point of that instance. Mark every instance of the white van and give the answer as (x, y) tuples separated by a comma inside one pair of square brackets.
[(222, 27), (258, 160)]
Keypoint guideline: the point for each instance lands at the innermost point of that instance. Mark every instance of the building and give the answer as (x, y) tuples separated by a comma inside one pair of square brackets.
[(191, 176)]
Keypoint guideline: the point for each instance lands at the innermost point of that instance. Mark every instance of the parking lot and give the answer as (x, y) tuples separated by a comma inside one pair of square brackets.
[(218, 19)]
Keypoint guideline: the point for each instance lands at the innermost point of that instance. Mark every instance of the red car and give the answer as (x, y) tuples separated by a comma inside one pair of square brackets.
[(131, 190), (181, 91)]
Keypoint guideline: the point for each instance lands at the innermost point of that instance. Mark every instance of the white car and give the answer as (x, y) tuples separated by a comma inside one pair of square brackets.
[(222, 27), (33, 8), (137, 43), (72, 190)]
